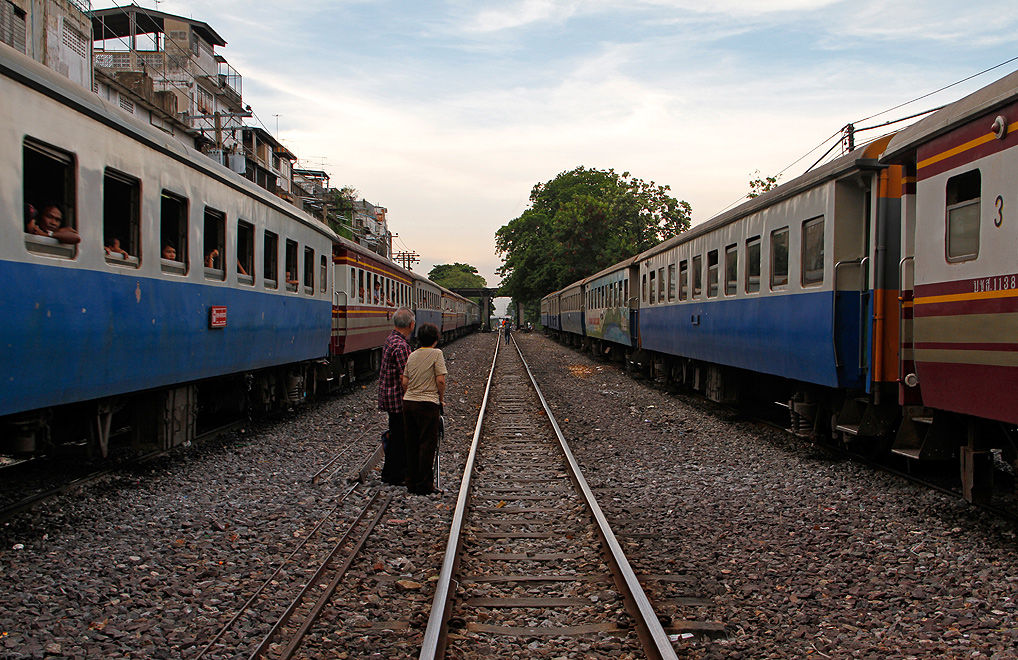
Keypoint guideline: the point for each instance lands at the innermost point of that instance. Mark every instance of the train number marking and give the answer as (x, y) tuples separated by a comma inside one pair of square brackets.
[(999, 203)]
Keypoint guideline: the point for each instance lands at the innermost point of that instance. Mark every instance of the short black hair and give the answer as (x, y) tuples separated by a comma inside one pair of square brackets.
[(428, 334)]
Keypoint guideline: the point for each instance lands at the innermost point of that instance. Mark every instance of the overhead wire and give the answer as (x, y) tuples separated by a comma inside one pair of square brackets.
[(841, 132)]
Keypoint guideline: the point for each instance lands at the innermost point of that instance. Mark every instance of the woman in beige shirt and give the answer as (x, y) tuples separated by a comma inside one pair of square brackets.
[(423, 382)]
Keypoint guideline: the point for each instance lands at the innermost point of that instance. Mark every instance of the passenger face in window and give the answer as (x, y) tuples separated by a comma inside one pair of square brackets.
[(169, 252), (50, 219)]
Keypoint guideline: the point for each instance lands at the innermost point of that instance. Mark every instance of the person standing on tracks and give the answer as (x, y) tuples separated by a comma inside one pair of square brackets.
[(424, 383), (390, 394)]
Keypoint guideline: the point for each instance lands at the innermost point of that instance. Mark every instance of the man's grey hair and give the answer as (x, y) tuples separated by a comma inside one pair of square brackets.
[(403, 318)]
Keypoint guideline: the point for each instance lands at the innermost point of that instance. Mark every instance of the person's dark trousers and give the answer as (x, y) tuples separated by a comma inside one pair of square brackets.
[(421, 444), (394, 469)]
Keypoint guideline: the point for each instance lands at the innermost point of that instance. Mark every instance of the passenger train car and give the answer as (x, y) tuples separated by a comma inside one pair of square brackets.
[(960, 288), (191, 290), (872, 296)]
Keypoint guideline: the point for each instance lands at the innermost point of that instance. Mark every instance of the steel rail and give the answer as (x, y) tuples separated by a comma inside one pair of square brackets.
[(250, 601), (433, 644), (648, 626), (323, 600), (316, 477), (313, 581)]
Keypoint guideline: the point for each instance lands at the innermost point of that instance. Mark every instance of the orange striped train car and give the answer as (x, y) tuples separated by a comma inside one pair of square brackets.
[(369, 288)]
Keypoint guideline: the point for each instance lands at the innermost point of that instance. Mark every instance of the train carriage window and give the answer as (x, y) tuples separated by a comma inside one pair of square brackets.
[(270, 260), (963, 195), (671, 282), (813, 252), (697, 276), (214, 244), (360, 285), (324, 274), (731, 270), (653, 287), (661, 284), (712, 274), (173, 233), (779, 258), (290, 256), (352, 291), (245, 252), (49, 181), (753, 265), (643, 289), (121, 219), (683, 279), (309, 270)]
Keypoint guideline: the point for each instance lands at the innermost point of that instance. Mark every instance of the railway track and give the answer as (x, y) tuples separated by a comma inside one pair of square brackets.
[(284, 610), (531, 562)]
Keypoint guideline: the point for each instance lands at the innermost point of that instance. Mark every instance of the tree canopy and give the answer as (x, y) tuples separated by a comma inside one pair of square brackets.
[(762, 184), (580, 222), (457, 275)]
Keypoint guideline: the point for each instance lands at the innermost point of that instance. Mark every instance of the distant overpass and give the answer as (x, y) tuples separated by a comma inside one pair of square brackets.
[(485, 295)]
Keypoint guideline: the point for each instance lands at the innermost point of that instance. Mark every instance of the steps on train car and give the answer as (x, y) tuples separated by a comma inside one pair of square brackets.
[(928, 436)]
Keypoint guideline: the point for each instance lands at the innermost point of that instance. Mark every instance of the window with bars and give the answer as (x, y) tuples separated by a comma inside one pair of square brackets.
[(13, 27)]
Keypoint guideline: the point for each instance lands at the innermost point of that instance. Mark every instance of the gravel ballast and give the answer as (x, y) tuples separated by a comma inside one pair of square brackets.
[(797, 553)]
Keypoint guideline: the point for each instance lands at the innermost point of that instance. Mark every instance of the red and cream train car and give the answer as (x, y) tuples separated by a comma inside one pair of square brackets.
[(960, 272), (369, 288)]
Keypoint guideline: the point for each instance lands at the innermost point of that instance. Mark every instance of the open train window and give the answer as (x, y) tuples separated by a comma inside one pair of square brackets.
[(245, 252), (813, 252), (661, 284), (643, 289), (309, 270), (324, 275), (653, 287), (121, 219), (360, 292), (712, 274), (779, 258), (270, 260), (697, 276), (49, 181), (173, 233), (671, 282), (290, 265), (963, 194), (683, 279), (753, 265), (731, 270), (214, 244)]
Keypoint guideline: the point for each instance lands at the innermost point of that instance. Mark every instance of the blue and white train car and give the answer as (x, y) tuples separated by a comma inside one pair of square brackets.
[(571, 304), (611, 312), (427, 302), (247, 286), (781, 285), (550, 319)]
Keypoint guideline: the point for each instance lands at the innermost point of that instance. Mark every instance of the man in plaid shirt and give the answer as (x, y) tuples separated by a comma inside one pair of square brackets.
[(390, 394)]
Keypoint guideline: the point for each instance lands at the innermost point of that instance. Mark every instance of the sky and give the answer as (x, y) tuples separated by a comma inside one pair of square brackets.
[(448, 112)]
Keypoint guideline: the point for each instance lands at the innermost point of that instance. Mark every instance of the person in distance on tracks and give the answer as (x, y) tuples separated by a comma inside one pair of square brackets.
[(390, 394), (423, 381)]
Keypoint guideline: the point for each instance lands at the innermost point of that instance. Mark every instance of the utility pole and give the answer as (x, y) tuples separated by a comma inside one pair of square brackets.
[(407, 259)]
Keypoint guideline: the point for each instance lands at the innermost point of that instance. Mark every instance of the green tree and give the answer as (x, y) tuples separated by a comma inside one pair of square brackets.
[(762, 184), (580, 222), (457, 275)]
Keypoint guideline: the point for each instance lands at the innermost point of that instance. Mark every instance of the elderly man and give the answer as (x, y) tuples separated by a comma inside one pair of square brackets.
[(390, 394)]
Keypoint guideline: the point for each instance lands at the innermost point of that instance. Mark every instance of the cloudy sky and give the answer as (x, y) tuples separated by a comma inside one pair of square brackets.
[(447, 112)]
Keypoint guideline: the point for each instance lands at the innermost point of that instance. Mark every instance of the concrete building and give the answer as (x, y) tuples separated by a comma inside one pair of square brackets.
[(56, 33), (169, 62)]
